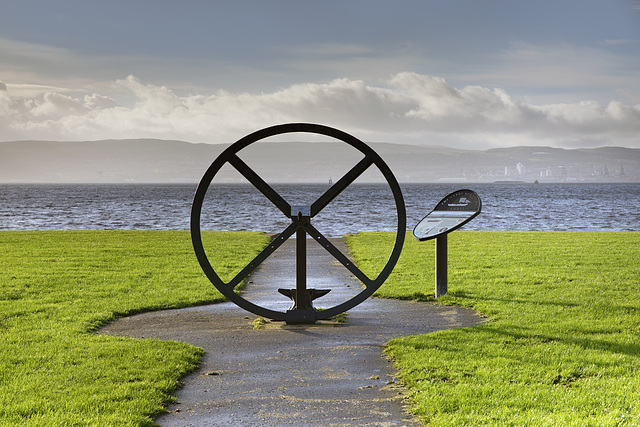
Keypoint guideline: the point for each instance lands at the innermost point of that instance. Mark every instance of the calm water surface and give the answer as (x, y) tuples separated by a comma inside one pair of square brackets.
[(364, 207)]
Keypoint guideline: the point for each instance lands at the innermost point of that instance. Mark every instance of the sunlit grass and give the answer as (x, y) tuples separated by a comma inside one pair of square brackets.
[(560, 346), (561, 343), (58, 287)]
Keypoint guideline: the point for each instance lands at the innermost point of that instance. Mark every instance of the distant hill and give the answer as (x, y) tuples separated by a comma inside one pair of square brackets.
[(162, 161)]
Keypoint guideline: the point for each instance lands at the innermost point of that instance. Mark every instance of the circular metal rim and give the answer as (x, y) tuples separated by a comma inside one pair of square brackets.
[(209, 175)]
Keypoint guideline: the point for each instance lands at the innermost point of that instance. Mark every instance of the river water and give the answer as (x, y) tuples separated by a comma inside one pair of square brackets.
[(361, 207)]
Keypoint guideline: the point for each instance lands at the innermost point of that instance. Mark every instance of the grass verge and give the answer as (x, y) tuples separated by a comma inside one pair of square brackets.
[(58, 287), (561, 346)]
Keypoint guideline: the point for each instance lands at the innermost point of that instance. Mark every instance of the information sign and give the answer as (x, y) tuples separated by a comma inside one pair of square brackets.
[(451, 213)]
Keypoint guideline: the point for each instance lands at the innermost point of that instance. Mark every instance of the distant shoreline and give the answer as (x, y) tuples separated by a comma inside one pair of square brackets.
[(157, 161)]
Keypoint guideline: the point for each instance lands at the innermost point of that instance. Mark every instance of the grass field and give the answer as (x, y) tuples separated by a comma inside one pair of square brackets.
[(57, 288), (562, 342), (560, 346)]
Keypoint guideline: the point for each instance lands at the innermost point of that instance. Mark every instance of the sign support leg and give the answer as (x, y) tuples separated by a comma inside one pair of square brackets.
[(441, 265)]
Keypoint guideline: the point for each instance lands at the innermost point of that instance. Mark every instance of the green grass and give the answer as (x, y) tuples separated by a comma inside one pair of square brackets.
[(57, 288), (562, 341), (561, 345)]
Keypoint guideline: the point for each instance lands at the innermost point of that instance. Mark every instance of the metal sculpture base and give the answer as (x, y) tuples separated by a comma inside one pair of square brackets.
[(301, 316), (311, 295), (305, 313)]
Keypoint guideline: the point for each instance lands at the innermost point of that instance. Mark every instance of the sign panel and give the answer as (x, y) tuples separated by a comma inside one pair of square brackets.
[(451, 213), (302, 210)]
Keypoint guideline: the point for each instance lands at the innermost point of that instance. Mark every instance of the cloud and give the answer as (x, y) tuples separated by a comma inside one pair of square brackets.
[(14, 50), (408, 108), (32, 90), (562, 71), (616, 42)]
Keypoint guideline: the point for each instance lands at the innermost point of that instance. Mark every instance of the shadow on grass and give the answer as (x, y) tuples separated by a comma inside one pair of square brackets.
[(94, 325), (520, 335), (463, 295)]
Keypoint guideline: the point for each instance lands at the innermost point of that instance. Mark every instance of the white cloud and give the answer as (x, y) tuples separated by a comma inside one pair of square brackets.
[(409, 108), (95, 101), (32, 90), (591, 118), (56, 106)]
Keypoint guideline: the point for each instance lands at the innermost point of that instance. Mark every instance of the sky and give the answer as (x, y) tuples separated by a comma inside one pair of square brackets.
[(473, 74)]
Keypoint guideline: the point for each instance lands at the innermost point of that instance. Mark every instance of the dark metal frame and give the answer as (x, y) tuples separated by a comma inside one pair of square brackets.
[(303, 311)]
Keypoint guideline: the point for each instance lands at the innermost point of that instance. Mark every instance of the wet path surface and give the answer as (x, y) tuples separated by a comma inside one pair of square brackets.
[(328, 374)]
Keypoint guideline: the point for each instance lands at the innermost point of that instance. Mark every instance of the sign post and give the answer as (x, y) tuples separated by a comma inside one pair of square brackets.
[(451, 213), (441, 265)]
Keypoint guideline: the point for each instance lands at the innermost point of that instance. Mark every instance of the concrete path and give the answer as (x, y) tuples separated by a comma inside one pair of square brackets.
[(327, 374)]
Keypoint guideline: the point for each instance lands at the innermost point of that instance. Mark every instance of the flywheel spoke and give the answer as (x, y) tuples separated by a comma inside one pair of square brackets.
[(261, 185), (271, 248), (337, 254), (339, 186)]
